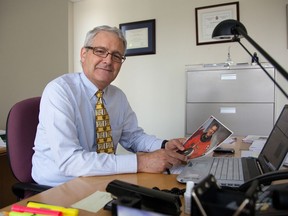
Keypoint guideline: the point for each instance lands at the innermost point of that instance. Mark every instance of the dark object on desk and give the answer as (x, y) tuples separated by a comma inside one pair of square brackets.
[(266, 179), (175, 191), (271, 202), (280, 198), (224, 150), (210, 199), (153, 200), (21, 128), (3, 137)]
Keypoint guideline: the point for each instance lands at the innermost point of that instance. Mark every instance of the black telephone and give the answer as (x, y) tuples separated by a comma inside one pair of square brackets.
[(267, 200), (274, 197), (266, 179)]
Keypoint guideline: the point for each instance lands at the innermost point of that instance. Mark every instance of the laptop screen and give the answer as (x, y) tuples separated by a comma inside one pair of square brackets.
[(274, 152)]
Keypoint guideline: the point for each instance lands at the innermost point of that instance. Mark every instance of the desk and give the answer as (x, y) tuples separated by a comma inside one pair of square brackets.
[(6, 180), (79, 188)]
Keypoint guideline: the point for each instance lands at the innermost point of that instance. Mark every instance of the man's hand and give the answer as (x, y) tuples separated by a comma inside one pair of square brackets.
[(175, 144), (162, 159)]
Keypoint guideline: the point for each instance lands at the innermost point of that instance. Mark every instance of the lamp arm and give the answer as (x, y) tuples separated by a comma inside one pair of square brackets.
[(279, 68), (261, 66), (267, 56)]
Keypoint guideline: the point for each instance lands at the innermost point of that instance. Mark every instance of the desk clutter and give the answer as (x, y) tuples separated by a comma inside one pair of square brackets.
[(207, 199), (135, 196), (40, 209)]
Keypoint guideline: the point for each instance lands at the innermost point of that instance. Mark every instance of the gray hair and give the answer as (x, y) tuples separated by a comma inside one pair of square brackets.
[(92, 33)]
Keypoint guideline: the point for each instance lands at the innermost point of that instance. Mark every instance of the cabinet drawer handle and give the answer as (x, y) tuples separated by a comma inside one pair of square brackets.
[(228, 76), (227, 109)]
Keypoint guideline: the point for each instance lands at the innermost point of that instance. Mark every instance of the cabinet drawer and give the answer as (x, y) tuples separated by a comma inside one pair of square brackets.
[(241, 85), (242, 119)]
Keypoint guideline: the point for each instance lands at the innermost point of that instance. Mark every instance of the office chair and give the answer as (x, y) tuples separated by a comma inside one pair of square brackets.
[(21, 129)]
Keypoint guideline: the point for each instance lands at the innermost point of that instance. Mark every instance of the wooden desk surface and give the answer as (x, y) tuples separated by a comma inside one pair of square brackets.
[(79, 188), (2, 150)]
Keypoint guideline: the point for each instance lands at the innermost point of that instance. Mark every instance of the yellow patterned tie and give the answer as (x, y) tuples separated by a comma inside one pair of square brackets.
[(103, 127)]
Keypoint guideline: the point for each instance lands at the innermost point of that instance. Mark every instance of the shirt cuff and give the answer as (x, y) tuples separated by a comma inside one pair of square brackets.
[(126, 163)]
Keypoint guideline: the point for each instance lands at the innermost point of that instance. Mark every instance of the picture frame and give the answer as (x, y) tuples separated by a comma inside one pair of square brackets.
[(209, 16), (140, 37)]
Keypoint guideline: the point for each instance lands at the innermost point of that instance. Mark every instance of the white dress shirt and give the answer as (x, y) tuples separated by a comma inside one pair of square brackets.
[(65, 145)]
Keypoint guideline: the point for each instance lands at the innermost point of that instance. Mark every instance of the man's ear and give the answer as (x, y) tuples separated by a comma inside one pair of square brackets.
[(83, 54)]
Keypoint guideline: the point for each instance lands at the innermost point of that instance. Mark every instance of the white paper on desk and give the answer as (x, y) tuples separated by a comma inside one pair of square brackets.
[(229, 140), (2, 143), (252, 138), (2, 132), (247, 153), (94, 202), (257, 145)]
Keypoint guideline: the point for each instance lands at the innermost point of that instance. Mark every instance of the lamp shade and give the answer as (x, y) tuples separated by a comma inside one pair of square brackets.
[(228, 29)]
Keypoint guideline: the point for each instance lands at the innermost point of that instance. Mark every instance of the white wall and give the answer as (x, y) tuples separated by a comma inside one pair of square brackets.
[(155, 84), (33, 48)]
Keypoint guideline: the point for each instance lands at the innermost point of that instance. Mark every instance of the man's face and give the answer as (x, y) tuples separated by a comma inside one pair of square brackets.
[(212, 130), (102, 71)]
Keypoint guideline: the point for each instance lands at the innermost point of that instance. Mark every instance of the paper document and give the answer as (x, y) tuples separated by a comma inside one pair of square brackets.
[(2, 143), (257, 144), (94, 202), (252, 138)]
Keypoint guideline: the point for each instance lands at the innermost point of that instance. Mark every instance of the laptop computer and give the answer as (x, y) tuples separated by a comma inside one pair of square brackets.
[(233, 172)]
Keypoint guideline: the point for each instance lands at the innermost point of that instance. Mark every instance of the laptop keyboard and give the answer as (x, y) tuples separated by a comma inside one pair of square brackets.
[(227, 168)]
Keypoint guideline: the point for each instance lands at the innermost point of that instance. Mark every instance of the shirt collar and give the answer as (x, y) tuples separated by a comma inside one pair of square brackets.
[(90, 88)]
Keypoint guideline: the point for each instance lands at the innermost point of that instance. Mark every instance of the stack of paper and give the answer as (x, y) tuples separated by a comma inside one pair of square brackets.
[(257, 143)]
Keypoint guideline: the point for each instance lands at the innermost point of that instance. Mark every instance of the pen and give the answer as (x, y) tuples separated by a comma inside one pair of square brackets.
[(19, 208), (65, 211)]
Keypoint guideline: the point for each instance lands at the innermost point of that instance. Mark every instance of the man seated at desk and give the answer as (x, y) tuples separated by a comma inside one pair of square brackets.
[(66, 144)]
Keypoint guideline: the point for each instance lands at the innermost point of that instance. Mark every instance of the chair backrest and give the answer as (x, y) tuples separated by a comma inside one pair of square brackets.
[(21, 129)]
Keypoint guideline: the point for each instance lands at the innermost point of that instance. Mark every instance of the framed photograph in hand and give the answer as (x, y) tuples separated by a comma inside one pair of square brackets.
[(140, 37), (209, 16)]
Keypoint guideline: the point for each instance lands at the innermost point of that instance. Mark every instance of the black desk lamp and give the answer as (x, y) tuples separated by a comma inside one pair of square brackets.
[(234, 30)]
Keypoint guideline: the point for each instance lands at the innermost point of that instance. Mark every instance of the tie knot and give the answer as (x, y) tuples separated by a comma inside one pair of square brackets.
[(99, 94)]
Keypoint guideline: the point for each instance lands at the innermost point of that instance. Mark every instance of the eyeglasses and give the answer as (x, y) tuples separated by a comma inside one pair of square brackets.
[(102, 52)]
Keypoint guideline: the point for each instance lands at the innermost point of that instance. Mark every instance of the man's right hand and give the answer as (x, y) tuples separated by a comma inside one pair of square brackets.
[(158, 161)]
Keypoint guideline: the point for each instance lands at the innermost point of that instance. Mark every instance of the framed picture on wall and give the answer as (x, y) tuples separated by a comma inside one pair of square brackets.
[(209, 16), (140, 37)]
